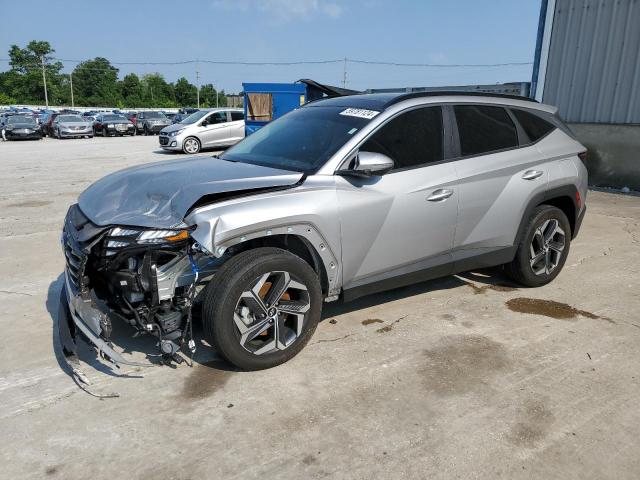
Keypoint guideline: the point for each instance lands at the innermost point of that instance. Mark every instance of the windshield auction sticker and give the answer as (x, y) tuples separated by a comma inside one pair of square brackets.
[(359, 112)]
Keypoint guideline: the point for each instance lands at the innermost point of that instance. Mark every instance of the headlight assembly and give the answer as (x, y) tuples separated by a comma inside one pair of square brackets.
[(121, 237), (176, 133)]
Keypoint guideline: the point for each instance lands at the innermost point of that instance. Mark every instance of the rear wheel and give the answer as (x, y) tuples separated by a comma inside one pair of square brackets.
[(261, 308), (543, 248), (191, 145), (104, 132), (146, 131)]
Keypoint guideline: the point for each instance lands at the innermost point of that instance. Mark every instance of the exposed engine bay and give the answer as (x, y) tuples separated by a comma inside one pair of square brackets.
[(146, 278)]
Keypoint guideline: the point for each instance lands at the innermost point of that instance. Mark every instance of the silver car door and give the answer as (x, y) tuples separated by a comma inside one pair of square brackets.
[(497, 178), (214, 129), (236, 126), (399, 228)]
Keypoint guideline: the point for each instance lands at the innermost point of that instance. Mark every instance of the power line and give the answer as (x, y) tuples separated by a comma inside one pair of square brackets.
[(308, 62)]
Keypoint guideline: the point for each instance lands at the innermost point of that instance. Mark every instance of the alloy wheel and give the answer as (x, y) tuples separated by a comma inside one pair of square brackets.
[(546, 247), (191, 145), (269, 316)]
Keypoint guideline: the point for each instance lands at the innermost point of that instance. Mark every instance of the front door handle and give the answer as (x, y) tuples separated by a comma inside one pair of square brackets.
[(439, 195), (531, 174)]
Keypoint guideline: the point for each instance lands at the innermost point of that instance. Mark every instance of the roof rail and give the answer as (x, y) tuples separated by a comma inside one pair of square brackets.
[(441, 93)]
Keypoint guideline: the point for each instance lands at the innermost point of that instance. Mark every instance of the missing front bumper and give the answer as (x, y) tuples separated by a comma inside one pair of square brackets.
[(79, 315)]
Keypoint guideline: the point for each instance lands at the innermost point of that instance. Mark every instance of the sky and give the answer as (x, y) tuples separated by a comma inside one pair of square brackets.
[(402, 31)]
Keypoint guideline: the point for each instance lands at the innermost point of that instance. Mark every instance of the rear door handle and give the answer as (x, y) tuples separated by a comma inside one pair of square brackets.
[(439, 195), (531, 174)]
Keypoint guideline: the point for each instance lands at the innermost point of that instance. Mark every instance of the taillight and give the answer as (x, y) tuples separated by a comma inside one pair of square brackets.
[(583, 156), (578, 200)]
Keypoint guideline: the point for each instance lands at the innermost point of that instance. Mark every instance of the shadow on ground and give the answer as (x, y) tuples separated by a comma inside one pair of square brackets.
[(123, 339)]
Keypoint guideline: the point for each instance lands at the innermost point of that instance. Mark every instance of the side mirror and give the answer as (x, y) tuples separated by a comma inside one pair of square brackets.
[(369, 164)]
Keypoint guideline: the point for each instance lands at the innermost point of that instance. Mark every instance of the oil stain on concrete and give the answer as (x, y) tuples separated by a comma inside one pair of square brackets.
[(533, 422), (463, 363), (205, 379), (31, 204), (478, 290), (369, 321), (550, 308)]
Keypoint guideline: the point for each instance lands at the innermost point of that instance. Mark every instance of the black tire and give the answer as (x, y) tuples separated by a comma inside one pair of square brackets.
[(222, 294), (146, 131), (104, 132), (520, 269)]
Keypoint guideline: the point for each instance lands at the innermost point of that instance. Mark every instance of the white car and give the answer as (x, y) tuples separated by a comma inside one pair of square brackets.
[(219, 127)]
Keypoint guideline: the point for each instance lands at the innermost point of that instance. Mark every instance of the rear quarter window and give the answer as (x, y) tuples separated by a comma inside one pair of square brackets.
[(534, 126), (484, 129)]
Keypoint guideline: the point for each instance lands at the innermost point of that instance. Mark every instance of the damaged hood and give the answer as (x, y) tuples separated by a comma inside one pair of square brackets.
[(158, 195)]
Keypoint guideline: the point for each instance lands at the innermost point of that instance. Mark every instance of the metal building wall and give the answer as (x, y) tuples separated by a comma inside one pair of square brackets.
[(593, 67)]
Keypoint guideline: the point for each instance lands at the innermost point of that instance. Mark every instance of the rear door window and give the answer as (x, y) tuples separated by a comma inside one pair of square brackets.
[(484, 129), (237, 116), (411, 139), (534, 126)]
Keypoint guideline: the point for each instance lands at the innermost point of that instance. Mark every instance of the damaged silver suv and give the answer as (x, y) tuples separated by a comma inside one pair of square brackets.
[(340, 198)]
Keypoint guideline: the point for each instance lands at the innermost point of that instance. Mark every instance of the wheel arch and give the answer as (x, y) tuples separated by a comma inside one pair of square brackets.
[(563, 198), (297, 245)]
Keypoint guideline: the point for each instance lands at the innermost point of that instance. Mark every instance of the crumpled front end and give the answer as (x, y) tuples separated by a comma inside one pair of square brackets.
[(146, 278)]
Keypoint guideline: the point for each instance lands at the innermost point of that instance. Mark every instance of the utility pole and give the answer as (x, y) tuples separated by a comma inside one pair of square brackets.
[(198, 82), (71, 85), (44, 79), (344, 73)]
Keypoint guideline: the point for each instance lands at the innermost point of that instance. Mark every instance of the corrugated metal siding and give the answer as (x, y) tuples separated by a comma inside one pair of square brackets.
[(593, 71)]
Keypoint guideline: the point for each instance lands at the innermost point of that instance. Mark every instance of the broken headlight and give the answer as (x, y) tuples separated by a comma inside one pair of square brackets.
[(120, 237)]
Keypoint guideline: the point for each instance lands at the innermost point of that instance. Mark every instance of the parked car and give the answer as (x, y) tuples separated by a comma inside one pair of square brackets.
[(47, 123), (108, 124), (131, 116), (340, 198), (150, 123), (215, 128), (72, 126), (179, 117), (20, 127), (170, 116)]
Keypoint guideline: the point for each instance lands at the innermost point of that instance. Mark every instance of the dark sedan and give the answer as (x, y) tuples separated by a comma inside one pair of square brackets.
[(21, 127), (108, 124)]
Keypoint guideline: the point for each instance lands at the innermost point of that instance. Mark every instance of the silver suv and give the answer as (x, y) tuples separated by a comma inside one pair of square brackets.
[(340, 198)]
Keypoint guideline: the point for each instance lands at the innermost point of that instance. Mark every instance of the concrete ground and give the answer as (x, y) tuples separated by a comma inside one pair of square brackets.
[(463, 377)]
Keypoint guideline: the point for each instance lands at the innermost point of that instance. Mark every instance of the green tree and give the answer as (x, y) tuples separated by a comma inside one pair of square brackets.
[(27, 64), (158, 93), (208, 96), (185, 93), (95, 83), (132, 91)]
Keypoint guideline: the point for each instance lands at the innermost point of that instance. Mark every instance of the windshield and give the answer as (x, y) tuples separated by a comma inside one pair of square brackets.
[(194, 117), (21, 119), (70, 118), (154, 115), (302, 140), (114, 118)]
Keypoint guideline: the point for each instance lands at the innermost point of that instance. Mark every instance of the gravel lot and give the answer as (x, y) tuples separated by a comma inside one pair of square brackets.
[(464, 377)]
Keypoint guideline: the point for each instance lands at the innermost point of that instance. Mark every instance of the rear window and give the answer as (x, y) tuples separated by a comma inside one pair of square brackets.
[(237, 116), (534, 126), (484, 129)]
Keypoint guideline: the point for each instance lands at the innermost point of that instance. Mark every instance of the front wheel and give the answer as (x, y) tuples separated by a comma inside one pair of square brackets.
[(191, 145), (543, 249), (146, 131), (261, 308)]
